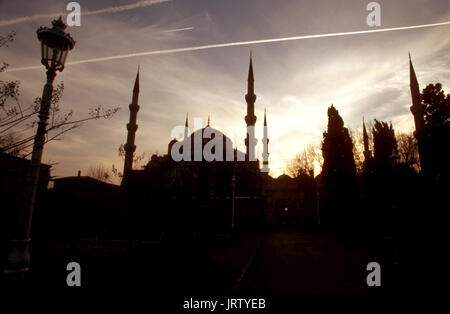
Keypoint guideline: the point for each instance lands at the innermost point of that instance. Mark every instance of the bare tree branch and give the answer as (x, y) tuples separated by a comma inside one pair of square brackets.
[(55, 137)]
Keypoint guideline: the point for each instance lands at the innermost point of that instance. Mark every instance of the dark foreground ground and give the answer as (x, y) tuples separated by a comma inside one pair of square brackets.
[(259, 264), (293, 262)]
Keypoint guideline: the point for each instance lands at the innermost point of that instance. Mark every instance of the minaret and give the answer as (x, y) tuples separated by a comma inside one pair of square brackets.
[(367, 152), (250, 118), (186, 127), (132, 128), (417, 109), (265, 141)]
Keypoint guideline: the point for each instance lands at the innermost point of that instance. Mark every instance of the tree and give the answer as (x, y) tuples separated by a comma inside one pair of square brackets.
[(408, 150), (384, 144), (9, 90), (99, 172), (437, 130), (18, 122), (358, 149), (304, 162), (437, 107), (338, 174), (337, 148)]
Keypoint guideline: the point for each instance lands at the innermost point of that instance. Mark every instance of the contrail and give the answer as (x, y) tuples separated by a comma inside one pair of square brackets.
[(139, 4), (178, 30), (239, 43)]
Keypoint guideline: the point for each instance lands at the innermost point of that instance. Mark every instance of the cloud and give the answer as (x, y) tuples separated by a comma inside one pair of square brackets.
[(116, 9)]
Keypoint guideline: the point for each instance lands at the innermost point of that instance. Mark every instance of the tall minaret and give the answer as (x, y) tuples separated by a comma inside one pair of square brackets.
[(265, 141), (250, 118), (417, 109), (132, 128), (186, 127), (367, 152)]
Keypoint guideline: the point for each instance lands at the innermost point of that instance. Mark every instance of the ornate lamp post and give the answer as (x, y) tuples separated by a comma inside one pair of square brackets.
[(233, 190), (55, 45)]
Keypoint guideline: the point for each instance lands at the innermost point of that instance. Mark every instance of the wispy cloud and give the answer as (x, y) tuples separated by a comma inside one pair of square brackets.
[(116, 9)]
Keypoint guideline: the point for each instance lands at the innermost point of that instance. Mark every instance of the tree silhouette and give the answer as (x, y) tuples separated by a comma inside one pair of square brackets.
[(384, 144), (337, 148), (357, 138), (436, 164), (304, 162), (99, 172), (408, 150), (437, 130), (338, 172), (437, 107)]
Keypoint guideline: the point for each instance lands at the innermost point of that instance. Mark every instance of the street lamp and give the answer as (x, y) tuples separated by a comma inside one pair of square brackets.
[(233, 189), (55, 45)]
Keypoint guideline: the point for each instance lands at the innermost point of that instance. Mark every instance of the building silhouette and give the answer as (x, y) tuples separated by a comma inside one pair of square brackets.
[(195, 194)]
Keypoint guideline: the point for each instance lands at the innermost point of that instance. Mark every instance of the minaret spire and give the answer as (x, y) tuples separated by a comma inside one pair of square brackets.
[(265, 141), (136, 82), (186, 127), (130, 147), (265, 120), (414, 84), (250, 118), (209, 120), (250, 80), (417, 109)]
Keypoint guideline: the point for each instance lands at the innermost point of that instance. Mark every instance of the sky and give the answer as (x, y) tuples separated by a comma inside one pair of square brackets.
[(296, 81)]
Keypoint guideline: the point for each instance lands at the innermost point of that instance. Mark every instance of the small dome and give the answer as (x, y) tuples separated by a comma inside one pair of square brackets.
[(284, 177)]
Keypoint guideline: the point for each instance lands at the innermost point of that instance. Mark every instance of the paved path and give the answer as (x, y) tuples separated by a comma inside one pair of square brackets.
[(304, 262)]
